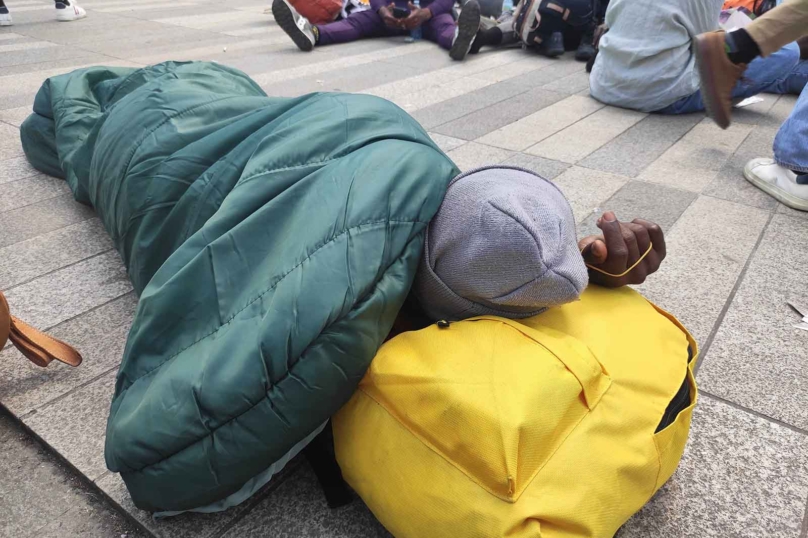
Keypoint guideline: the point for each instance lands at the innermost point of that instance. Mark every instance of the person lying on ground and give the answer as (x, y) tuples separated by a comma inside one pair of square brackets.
[(504, 243), (66, 11), (724, 58), (434, 17), (645, 61), (564, 25)]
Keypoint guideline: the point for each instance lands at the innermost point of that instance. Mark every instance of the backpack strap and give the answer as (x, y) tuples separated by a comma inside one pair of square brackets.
[(320, 455), (37, 346)]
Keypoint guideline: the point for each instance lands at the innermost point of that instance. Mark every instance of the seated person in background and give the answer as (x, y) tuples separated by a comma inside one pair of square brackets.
[(645, 61), (433, 16), (504, 243), (564, 25)]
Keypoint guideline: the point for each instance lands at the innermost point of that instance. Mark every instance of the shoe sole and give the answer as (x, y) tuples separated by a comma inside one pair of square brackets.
[(708, 93), (286, 20), (552, 53), (6, 23), (788, 199), (467, 25)]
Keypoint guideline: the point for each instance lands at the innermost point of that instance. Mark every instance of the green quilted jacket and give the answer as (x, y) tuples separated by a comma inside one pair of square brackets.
[(272, 242)]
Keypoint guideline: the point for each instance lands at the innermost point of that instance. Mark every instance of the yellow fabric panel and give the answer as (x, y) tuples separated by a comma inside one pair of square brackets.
[(543, 427)]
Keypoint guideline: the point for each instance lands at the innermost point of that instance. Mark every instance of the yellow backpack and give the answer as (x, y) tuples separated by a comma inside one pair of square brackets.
[(560, 425)]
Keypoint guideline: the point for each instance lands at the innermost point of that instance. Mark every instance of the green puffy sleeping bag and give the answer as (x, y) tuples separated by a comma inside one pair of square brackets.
[(272, 242)]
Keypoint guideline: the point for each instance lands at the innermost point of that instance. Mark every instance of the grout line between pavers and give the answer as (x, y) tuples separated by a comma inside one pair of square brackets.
[(93, 309), (275, 482), (34, 202), (758, 414), (81, 476), (804, 527), (57, 269), (731, 297), (64, 395)]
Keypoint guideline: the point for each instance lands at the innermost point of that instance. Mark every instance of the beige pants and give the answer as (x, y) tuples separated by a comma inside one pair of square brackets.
[(782, 25)]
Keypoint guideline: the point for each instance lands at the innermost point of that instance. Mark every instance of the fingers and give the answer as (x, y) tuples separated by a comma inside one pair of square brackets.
[(615, 244), (656, 234), (642, 241), (412, 6), (593, 249)]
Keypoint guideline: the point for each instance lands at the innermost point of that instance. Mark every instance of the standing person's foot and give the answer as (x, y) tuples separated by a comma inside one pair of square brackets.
[(718, 75), (294, 24), (779, 182), (69, 10), (553, 46), (467, 26), (586, 50), (5, 17)]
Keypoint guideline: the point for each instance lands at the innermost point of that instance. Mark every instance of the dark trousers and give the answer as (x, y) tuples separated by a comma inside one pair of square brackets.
[(440, 29)]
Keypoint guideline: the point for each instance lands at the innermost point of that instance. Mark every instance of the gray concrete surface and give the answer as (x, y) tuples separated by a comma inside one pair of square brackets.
[(734, 257)]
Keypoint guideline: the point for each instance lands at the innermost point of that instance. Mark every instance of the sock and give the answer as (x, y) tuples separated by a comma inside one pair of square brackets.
[(2, 4), (316, 32), (802, 179), (65, 2), (740, 46), (492, 36)]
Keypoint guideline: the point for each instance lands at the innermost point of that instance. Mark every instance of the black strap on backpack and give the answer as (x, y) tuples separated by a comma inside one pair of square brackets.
[(321, 457)]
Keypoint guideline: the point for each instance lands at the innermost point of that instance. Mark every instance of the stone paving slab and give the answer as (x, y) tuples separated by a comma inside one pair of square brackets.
[(734, 256)]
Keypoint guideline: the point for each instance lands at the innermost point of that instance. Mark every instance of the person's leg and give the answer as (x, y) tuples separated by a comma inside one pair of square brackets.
[(786, 177), (782, 72), (721, 57), (441, 30), (305, 35), (791, 142), (5, 16), (782, 25), (357, 26), (459, 37)]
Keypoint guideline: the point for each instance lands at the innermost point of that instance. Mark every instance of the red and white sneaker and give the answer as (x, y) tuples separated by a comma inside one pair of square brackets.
[(69, 10)]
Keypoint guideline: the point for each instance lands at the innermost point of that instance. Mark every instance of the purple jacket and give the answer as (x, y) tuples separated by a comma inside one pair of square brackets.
[(437, 7)]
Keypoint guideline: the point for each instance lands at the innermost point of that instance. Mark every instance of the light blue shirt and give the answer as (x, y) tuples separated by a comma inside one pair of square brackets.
[(645, 61)]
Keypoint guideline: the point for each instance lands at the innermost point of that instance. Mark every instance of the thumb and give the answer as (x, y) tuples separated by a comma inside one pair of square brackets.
[(412, 6)]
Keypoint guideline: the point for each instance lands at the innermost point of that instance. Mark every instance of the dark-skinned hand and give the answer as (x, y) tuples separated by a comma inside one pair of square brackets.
[(417, 17), (620, 246), (386, 13)]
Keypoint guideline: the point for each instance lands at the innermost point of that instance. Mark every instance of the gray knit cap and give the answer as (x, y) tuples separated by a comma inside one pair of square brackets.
[(503, 243)]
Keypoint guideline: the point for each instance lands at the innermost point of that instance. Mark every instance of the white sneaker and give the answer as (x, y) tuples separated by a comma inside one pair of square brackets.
[(5, 17), (69, 12), (467, 26), (781, 183), (294, 24)]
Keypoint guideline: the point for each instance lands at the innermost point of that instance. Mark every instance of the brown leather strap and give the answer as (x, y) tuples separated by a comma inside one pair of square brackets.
[(37, 346)]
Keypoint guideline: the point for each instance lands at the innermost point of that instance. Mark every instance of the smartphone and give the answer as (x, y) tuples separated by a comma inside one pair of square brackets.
[(400, 12)]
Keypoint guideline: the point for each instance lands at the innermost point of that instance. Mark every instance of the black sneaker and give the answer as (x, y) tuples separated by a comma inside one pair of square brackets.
[(586, 50), (294, 24), (467, 26), (553, 46)]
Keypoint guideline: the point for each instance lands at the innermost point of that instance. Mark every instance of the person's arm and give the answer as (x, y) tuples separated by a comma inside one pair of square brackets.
[(638, 245)]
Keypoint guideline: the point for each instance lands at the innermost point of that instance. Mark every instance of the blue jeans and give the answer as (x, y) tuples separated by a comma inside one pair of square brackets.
[(782, 72), (791, 143)]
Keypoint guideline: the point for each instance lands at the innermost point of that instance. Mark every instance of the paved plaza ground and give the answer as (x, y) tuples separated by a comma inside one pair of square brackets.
[(735, 256)]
